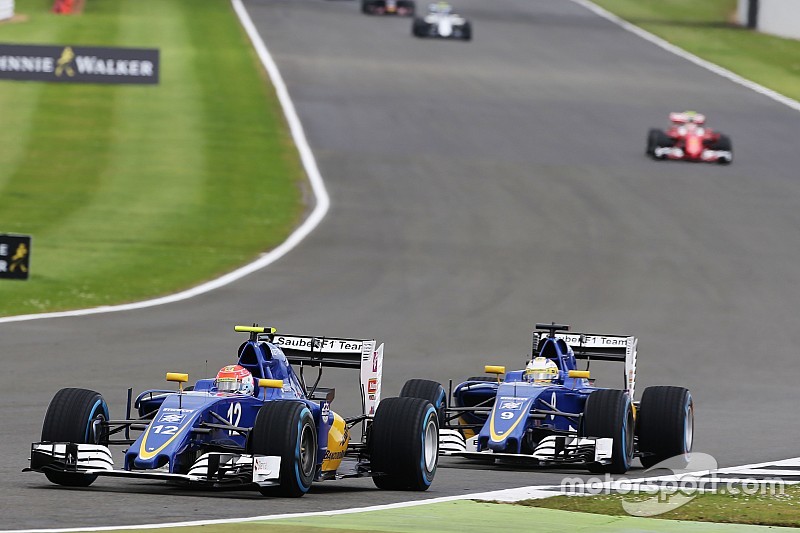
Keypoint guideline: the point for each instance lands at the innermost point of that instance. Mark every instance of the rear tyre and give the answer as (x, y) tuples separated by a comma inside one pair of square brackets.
[(404, 444), (76, 416), (609, 414), (287, 429), (409, 6), (665, 424), (427, 390)]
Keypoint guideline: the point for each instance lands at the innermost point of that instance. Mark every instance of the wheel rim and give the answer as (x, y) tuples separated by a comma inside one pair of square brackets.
[(307, 446), (629, 436), (431, 445), (96, 436), (688, 431)]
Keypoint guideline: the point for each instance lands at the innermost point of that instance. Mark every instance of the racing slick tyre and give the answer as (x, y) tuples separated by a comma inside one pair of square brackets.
[(656, 139), (419, 28), (609, 414), (665, 425), (724, 143), (652, 140), (408, 5), (287, 429), (366, 6), (427, 390), (76, 416), (404, 444), (466, 31)]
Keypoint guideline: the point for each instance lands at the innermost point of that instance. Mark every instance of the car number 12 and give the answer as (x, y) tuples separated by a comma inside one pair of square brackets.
[(234, 416), (165, 430)]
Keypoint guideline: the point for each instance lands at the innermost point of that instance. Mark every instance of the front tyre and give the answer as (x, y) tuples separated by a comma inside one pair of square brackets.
[(724, 143), (76, 416), (404, 444), (609, 414), (466, 31), (665, 425), (287, 429)]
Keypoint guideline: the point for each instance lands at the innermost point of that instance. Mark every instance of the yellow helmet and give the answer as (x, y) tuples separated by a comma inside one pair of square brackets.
[(541, 370)]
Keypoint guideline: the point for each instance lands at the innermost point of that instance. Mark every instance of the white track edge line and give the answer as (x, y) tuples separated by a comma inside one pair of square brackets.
[(484, 496), (716, 69), (321, 207)]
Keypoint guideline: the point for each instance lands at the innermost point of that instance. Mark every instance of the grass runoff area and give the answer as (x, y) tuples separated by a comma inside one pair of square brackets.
[(778, 509), (467, 517), (706, 28), (132, 192)]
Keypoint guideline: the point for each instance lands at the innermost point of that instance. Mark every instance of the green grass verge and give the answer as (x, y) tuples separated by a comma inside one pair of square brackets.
[(132, 192), (705, 28), (781, 508), (467, 517)]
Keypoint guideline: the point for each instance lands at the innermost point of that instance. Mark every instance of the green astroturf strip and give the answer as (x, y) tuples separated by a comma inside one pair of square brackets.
[(132, 192), (467, 517), (705, 28), (779, 506)]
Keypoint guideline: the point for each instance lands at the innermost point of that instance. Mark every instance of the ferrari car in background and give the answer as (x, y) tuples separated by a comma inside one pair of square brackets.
[(441, 22), (403, 8), (688, 139), (551, 413), (258, 425)]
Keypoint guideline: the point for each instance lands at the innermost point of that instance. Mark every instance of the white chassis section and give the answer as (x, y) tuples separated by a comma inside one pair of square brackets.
[(453, 443), (94, 459)]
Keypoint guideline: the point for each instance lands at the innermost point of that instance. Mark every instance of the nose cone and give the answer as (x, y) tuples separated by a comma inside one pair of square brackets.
[(694, 147)]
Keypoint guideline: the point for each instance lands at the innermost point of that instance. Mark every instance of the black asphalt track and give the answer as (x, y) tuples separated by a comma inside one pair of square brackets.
[(477, 188)]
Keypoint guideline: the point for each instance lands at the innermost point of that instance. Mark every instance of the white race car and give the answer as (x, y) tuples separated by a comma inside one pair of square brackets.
[(441, 22)]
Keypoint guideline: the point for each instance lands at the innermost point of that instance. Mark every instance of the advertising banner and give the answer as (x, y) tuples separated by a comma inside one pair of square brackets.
[(15, 256), (78, 64)]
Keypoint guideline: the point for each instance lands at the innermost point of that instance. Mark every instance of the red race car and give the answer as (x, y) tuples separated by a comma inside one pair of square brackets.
[(403, 8), (688, 139)]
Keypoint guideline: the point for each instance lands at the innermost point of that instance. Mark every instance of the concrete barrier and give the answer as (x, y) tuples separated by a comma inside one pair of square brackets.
[(6, 9), (776, 17)]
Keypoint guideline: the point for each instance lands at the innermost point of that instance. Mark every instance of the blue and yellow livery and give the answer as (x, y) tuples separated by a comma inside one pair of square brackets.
[(279, 439)]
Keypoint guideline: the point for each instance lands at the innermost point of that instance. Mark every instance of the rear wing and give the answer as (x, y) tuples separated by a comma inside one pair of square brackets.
[(322, 351), (338, 353), (600, 347)]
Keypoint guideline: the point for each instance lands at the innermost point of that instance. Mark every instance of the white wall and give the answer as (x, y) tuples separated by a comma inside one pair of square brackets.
[(6, 9), (779, 17), (741, 12)]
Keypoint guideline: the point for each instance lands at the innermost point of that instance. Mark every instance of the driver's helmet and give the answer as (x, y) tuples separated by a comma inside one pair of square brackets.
[(234, 378), (440, 7), (541, 370)]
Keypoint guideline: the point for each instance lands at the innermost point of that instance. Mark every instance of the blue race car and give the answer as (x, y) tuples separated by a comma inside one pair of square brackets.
[(551, 413), (256, 425)]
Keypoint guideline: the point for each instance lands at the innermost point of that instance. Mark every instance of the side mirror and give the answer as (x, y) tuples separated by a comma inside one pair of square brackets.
[(495, 369), (178, 378), (271, 383), (578, 374)]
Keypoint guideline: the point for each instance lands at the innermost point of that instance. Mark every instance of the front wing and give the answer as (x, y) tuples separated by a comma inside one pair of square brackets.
[(553, 449), (212, 470)]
